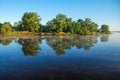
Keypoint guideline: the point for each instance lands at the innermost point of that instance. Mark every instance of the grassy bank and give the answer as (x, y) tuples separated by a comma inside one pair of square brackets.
[(26, 33)]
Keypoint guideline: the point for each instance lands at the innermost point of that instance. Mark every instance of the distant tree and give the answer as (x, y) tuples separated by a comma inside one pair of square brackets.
[(105, 29), (31, 22), (6, 28)]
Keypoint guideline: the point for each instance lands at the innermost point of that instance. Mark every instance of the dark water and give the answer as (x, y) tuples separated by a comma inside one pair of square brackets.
[(92, 57)]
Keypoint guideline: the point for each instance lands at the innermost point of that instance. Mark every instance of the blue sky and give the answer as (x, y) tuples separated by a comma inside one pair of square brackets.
[(100, 11)]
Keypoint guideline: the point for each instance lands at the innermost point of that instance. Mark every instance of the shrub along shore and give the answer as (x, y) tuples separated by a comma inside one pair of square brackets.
[(60, 25)]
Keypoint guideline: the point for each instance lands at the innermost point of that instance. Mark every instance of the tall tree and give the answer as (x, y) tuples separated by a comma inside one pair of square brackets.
[(57, 24), (31, 22), (61, 22), (6, 28), (81, 22), (86, 26)]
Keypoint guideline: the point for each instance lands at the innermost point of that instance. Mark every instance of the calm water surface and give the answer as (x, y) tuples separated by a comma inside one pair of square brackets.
[(92, 57)]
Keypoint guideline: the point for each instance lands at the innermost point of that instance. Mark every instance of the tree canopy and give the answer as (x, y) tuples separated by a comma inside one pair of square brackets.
[(6, 28), (105, 28), (30, 22)]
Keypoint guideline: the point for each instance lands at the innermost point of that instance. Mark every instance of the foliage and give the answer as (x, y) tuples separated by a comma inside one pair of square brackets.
[(30, 22), (63, 24), (105, 29), (57, 24), (6, 28), (60, 24)]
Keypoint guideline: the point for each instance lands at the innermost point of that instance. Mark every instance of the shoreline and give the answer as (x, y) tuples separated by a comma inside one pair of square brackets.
[(29, 34)]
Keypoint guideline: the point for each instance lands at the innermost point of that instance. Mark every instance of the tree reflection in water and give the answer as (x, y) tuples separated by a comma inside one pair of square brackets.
[(5, 41), (30, 46), (61, 44), (104, 37)]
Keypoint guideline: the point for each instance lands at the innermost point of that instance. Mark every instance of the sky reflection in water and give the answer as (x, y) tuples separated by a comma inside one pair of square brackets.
[(92, 57)]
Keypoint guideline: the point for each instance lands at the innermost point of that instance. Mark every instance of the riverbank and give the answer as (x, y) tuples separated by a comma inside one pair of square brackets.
[(26, 33)]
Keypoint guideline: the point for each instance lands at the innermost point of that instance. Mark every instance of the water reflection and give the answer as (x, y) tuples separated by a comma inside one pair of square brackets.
[(60, 44), (31, 46), (104, 37), (96, 61), (5, 41)]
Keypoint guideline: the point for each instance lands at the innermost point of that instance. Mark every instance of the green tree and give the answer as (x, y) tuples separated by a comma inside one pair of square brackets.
[(57, 24), (87, 26), (93, 27), (61, 22), (68, 26), (105, 28), (52, 25), (6, 28), (81, 22), (77, 27), (31, 22)]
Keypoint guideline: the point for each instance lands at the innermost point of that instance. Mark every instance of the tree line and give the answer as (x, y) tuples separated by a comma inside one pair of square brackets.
[(30, 22)]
